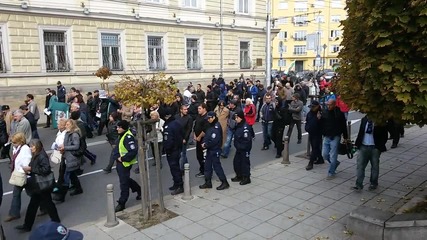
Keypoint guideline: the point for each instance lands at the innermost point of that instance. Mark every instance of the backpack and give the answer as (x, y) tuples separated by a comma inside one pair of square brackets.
[(83, 146)]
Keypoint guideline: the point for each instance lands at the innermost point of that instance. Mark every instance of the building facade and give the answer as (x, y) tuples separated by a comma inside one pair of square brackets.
[(308, 29), (45, 41)]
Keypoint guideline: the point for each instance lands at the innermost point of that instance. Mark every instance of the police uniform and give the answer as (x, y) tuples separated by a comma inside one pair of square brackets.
[(126, 149), (243, 145), (172, 144), (212, 142)]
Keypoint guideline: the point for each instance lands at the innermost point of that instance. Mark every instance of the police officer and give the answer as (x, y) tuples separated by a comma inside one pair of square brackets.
[(125, 152), (212, 142), (243, 145), (173, 136)]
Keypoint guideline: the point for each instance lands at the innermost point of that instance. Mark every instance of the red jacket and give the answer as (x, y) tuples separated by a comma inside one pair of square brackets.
[(250, 114), (342, 106)]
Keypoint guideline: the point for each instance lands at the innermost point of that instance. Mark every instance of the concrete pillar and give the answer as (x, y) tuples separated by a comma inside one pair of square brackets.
[(286, 151), (187, 186), (111, 213)]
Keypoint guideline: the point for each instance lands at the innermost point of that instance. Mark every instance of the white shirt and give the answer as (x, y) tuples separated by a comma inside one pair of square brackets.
[(60, 136), (23, 159), (368, 138)]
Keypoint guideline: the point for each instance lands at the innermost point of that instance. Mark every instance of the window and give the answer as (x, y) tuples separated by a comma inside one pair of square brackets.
[(155, 53), (111, 51), (283, 4), (335, 18), (245, 60), (335, 48), (193, 54), (333, 61), (2, 54), (321, 62), (300, 20), (300, 49), (243, 6), (335, 33), (190, 3), (319, 19), (301, 7), (281, 62), (154, 1), (282, 21), (319, 4), (55, 51), (337, 4), (282, 47), (283, 35), (300, 35)]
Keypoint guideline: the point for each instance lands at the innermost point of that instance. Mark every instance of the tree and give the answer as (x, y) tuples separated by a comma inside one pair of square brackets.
[(104, 73), (383, 72), (145, 92)]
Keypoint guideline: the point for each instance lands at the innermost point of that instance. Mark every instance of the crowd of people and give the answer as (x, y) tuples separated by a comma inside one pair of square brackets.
[(213, 121)]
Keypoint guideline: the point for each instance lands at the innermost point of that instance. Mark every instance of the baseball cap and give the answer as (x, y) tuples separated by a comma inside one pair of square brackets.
[(5, 107), (210, 114), (240, 114), (54, 231)]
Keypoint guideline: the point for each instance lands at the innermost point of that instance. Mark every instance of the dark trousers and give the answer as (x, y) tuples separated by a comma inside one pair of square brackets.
[(48, 120), (91, 156), (42, 200), (75, 180), (291, 127), (395, 130), (214, 164), (102, 124), (173, 160), (251, 130), (316, 148), (200, 156), (242, 164), (126, 182), (278, 139), (112, 159)]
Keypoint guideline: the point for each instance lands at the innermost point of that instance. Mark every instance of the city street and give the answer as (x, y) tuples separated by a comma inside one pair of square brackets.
[(90, 206)]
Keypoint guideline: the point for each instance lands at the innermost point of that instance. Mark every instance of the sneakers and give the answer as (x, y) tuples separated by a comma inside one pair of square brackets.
[(330, 177), (200, 175)]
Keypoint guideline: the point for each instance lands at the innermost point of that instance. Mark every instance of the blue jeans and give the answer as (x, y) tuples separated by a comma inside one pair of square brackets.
[(330, 152), (15, 207), (372, 155), (266, 132), (183, 160), (227, 144)]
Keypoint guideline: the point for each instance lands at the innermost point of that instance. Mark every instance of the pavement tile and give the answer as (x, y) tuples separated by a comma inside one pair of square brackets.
[(260, 201), (266, 230), (177, 222), (315, 189), (248, 222), (297, 214), (228, 201), (336, 195), (286, 190), (310, 207), (270, 185), (308, 180), (287, 236), (199, 202), (303, 195), (173, 236), (229, 230), (277, 207), (193, 230), (332, 214), (211, 235), (258, 190), (334, 232), (196, 215), (273, 195), (291, 201), (342, 206), (282, 221), (229, 214), (157, 231), (244, 195), (132, 236), (212, 222), (247, 236), (303, 230), (94, 232), (246, 207), (213, 208), (318, 222), (322, 200), (119, 231), (263, 214)]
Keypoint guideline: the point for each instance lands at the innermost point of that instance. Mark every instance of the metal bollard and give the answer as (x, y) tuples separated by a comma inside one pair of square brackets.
[(308, 153), (286, 151), (187, 187), (349, 128), (111, 213)]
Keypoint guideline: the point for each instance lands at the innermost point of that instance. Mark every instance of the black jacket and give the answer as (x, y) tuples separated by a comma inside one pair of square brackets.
[(186, 124), (333, 123), (33, 123), (200, 125), (213, 137), (380, 135), (40, 164), (172, 135), (313, 124), (3, 133), (242, 137)]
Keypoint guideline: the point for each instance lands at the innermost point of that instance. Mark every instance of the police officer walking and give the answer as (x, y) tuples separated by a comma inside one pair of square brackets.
[(212, 142), (173, 136), (243, 145), (125, 152)]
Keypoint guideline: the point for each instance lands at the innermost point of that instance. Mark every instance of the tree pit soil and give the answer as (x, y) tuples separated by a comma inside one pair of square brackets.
[(136, 220), (420, 207)]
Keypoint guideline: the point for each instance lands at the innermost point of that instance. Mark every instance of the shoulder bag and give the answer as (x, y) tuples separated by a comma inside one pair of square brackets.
[(40, 183), (18, 179), (55, 157)]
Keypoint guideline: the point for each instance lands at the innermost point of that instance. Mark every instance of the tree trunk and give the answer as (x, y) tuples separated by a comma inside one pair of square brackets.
[(143, 173), (158, 171)]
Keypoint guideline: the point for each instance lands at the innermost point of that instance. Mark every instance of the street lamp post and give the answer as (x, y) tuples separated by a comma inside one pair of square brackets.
[(268, 46), (324, 55)]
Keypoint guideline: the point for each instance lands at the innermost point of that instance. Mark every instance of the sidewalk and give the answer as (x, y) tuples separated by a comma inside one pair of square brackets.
[(286, 202)]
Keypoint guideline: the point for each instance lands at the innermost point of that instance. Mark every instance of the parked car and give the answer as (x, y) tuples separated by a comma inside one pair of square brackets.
[(329, 75)]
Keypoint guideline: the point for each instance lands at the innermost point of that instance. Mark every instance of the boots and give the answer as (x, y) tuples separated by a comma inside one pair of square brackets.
[(59, 196), (178, 190), (237, 179), (309, 166), (207, 184), (119, 207), (224, 185), (245, 180)]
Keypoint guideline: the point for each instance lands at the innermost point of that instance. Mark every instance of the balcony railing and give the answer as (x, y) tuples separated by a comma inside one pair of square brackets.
[(300, 53)]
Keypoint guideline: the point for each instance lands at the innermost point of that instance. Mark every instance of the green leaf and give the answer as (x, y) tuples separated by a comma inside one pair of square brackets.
[(384, 42), (385, 67)]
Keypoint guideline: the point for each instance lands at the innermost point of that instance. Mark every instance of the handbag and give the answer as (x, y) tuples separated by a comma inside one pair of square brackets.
[(18, 179), (41, 183), (55, 157), (346, 148)]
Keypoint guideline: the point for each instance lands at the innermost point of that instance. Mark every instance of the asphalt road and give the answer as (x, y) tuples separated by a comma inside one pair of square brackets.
[(90, 206)]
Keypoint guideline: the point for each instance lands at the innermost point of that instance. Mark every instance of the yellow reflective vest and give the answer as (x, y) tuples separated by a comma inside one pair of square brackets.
[(123, 150)]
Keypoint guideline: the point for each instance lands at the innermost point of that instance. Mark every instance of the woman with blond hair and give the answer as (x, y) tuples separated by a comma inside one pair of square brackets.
[(21, 158), (72, 160)]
